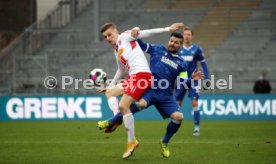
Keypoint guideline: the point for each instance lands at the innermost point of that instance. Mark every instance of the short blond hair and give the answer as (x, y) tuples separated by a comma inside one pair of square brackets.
[(107, 26)]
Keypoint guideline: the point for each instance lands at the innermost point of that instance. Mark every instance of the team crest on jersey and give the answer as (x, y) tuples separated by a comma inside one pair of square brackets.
[(187, 58), (120, 52)]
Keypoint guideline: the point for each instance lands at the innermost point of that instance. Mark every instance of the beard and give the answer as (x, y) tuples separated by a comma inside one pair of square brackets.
[(172, 49)]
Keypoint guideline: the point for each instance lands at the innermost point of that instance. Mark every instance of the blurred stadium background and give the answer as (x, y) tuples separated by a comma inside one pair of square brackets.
[(238, 38), (40, 38)]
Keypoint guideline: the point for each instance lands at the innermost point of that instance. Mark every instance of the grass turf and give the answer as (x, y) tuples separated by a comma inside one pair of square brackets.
[(81, 142)]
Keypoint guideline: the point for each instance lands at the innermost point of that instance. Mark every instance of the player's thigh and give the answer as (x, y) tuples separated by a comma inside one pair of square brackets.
[(146, 99), (125, 103), (137, 85), (116, 90), (167, 107)]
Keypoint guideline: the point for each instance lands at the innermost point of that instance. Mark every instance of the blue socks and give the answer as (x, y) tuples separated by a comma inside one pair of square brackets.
[(172, 128), (133, 108), (196, 116), (115, 118)]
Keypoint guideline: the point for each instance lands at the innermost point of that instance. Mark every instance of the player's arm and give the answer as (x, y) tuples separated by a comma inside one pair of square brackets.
[(197, 75), (137, 33), (184, 77), (204, 66), (120, 73), (146, 47), (206, 72)]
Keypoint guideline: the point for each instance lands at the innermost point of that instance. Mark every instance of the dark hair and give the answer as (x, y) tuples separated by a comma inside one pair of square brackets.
[(107, 26), (187, 28), (177, 35)]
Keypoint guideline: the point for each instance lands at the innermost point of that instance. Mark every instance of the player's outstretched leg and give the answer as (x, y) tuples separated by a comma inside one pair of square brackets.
[(109, 127), (114, 122), (196, 118), (172, 128), (130, 147), (165, 151), (128, 120), (111, 96), (132, 143)]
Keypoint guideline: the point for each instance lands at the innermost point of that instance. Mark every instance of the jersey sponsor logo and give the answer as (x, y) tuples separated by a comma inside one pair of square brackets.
[(187, 58), (169, 62)]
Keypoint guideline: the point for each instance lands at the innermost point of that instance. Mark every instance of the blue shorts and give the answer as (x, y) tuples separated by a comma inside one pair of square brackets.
[(166, 105), (180, 93)]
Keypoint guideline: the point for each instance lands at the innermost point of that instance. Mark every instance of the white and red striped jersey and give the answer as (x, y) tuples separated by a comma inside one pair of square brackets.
[(129, 55)]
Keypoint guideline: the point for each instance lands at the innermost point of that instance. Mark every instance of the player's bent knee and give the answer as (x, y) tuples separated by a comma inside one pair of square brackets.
[(114, 91), (177, 116), (108, 93), (194, 103), (142, 104), (123, 108)]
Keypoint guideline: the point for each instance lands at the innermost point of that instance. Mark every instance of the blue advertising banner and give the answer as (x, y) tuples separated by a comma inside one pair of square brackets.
[(95, 107)]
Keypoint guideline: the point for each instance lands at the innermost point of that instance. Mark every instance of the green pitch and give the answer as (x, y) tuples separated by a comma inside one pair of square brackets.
[(81, 142)]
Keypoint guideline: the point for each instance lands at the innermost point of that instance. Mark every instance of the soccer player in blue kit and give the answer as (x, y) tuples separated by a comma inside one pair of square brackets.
[(164, 64), (191, 53)]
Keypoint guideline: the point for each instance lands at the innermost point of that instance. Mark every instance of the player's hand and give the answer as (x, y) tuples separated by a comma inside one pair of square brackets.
[(197, 75), (102, 90), (176, 26), (135, 32)]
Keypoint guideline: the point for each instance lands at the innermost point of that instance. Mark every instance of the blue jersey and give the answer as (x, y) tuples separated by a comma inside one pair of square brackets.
[(164, 66), (192, 55)]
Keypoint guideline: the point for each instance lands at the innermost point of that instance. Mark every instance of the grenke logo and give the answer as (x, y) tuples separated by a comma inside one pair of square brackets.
[(54, 108)]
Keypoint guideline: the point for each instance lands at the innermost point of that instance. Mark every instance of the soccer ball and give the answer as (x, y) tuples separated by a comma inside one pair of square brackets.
[(98, 76)]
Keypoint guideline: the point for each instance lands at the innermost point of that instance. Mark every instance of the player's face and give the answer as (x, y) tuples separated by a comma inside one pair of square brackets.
[(111, 35), (188, 37), (174, 44)]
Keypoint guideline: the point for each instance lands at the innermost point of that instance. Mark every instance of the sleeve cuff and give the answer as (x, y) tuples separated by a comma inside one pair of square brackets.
[(167, 28)]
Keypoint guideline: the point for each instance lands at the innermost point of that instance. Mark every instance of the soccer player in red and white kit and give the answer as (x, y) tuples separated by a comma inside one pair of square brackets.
[(131, 61)]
